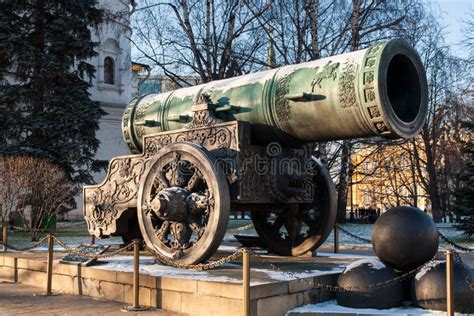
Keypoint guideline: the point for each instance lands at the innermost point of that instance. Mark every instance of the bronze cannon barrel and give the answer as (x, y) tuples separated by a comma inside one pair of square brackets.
[(377, 91)]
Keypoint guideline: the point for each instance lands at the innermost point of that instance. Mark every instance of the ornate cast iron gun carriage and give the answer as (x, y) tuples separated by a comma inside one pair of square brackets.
[(245, 144)]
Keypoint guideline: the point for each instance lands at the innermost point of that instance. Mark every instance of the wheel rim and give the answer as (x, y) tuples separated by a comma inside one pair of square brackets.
[(183, 203), (298, 228)]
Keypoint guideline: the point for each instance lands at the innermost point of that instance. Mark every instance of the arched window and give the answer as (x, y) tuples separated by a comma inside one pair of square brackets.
[(109, 70)]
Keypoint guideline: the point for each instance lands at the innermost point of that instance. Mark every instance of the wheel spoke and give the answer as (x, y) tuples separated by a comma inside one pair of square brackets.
[(293, 227), (189, 204), (307, 219), (278, 223), (194, 180), (163, 180), (318, 215), (163, 230)]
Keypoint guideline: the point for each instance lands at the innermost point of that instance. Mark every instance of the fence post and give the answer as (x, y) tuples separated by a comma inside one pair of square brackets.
[(449, 283), (5, 237), (336, 238), (49, 270), (136, 280), (136, 273), (246, 281)]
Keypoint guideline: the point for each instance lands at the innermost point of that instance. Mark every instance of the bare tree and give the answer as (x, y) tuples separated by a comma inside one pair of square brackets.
[(13, 187), (34, 188), (208, 39)]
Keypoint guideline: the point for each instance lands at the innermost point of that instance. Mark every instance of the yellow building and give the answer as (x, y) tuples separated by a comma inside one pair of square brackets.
[(385, 176)]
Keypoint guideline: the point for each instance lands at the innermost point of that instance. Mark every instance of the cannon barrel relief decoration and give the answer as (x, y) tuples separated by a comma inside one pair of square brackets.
[(244, 143)]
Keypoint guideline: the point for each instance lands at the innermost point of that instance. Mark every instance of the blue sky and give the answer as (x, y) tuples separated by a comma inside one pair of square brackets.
[(453, 13)]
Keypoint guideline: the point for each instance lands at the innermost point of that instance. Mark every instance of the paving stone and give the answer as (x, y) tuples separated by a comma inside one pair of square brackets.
[(278, 305), (9, 262), (37, 265), (268, 289), (125, 277), (220, 289), (300, 285), (144, 295), (210, 305), (65, 269), (19, 299), (63, 283), (169, 300), (34, 278), (22, 263), (175, 284), (112, 291), (100, 274)]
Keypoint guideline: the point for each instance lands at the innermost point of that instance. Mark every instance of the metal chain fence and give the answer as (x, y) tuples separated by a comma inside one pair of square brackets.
[(69, 249), (352, 235), (27, 248), (466, 274), (236, 255), (92, 256), (200, 266), (336, 288), (441, 235), (45, 230), (453, 244), (240, 229)]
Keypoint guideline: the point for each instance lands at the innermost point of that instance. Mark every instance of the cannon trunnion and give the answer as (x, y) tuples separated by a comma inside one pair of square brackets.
[(244, 144)]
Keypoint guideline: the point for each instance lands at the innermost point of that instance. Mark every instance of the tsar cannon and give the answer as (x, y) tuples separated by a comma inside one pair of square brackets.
[(245, 144)]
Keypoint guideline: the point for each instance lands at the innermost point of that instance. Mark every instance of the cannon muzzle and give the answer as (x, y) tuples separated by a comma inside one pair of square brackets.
[(378, 91)]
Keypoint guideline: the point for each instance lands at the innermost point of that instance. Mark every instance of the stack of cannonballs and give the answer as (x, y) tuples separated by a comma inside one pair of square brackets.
[(404, 238)]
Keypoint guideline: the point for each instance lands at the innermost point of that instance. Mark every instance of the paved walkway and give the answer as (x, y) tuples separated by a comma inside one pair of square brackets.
[(18, 299)]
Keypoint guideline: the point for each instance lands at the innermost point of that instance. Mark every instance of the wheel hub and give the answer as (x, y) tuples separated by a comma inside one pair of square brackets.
[(171, 204)]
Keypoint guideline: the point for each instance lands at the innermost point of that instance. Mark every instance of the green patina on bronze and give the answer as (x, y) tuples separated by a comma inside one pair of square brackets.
[(343, 96)]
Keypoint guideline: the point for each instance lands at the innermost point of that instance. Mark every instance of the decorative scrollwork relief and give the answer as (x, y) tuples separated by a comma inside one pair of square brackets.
[(347, 93), (282, 106), (105, 203), (203, 118)]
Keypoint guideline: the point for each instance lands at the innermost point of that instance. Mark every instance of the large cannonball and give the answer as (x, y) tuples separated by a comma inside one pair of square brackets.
[(428, 287), (405, 237), (358, 276)]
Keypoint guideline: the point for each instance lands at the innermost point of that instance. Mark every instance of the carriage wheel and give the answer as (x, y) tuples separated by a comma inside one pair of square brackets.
[(299, 228), (183, 203)]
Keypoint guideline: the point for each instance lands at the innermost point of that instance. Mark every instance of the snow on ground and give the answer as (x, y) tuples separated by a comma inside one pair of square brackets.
[(229, 248), (329, 307), (149, 267), (343, 255), (279, 276)]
